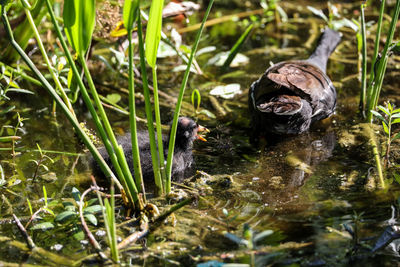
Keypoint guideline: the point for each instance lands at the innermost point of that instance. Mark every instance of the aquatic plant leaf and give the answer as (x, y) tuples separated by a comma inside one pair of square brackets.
[(384, 110), (93, 209), (79, 235), (385, 127), (395, 121), (236, 239), (395, 48), (153, 34), (262, 235), (65, 216), (43, 226), (204, 50), (20, 90), (91, 218), (378, 115), (90, 202), (396, 136), (129, 13), (207, 113), (8, 109), (318, 12), (226, 91), (114, 98), (76, 194), (79, 19)]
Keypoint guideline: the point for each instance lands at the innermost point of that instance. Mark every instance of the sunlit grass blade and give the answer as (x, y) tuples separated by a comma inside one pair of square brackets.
[(130, 13), (363, 63), (129, 16), (153, 34), (171, 145), (79, 19), (149, 112)]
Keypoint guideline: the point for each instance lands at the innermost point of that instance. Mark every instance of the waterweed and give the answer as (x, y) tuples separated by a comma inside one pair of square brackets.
[(390, 116)]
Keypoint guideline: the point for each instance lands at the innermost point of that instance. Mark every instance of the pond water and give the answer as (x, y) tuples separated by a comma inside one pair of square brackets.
[(307, 189)]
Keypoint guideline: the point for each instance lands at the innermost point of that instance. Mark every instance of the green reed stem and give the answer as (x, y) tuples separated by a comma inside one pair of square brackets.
[(377, 40), (363, 63), (236, 47), (104, 167), (132, 118), (46, 59), (171, 145), (158, 126), (149, 113), (86, 97), (382, 64), (132, 191)]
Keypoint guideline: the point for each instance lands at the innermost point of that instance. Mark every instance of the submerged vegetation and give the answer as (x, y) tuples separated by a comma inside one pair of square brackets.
[(296, 201)]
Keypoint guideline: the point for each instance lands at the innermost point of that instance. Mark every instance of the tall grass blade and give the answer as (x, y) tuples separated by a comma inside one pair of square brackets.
[(174, 126), (79, 20), (153, 34), (149, 112), (130, 13), (363, 63)]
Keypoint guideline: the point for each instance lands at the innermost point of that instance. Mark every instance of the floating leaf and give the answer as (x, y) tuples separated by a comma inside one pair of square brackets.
[(226, 91)]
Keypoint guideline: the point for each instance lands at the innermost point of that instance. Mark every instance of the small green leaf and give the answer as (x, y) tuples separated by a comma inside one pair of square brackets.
[(90, 202), (196, 99), (43, 226), (378, 115), (91, 218), (93, 209), (385, 127), (65, 216), (79, 236), (76, 194), (396, 121), (384, 110), (114, 98)]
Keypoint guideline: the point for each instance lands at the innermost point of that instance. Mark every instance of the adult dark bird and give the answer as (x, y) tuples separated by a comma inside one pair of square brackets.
[(187, 132), (293, 94)]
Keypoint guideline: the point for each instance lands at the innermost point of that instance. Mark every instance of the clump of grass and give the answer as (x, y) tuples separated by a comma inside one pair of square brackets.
[(371, 90), (390, 117)]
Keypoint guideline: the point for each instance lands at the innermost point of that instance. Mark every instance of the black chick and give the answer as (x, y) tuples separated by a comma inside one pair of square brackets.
[(187, 132), (291, 95)]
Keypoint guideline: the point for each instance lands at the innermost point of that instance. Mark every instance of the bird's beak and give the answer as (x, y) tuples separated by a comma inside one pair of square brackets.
[(203, 130)]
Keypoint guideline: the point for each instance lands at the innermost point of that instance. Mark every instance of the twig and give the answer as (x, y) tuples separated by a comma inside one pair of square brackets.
[(28, 239), (92, 240), (134, 237)]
